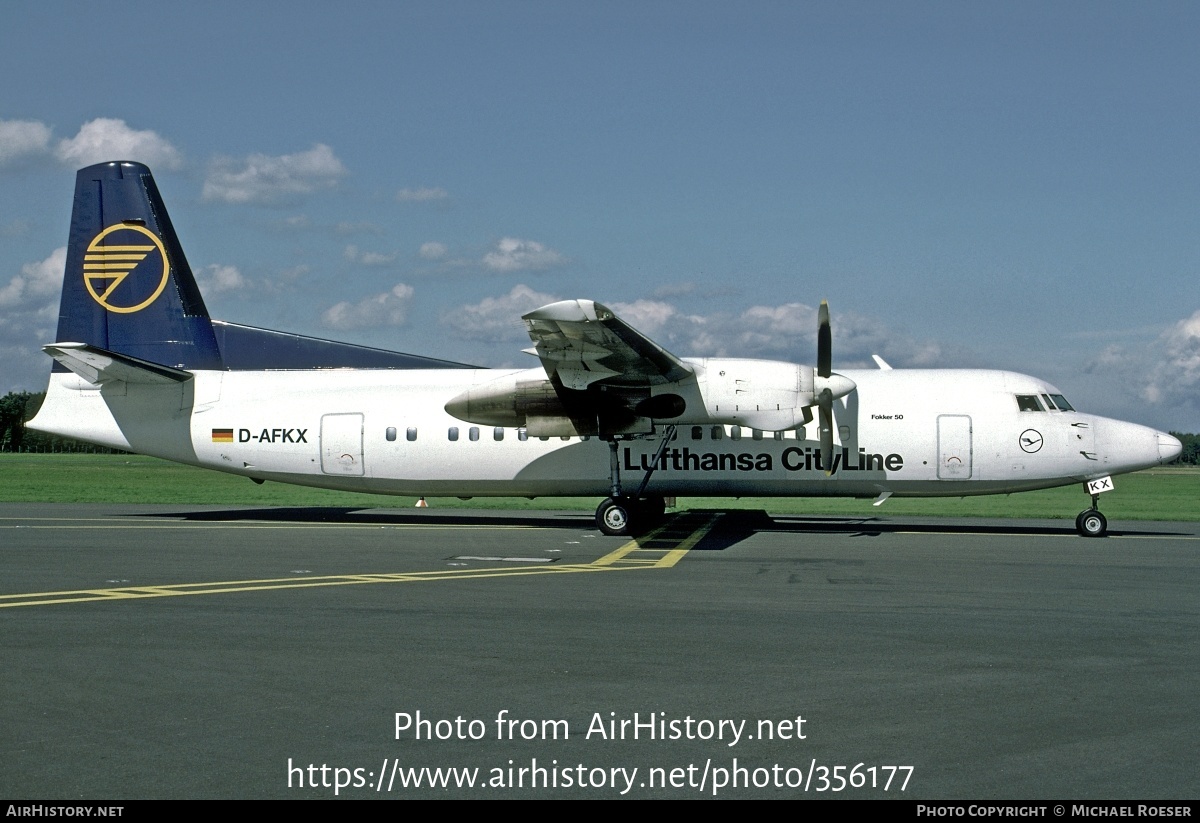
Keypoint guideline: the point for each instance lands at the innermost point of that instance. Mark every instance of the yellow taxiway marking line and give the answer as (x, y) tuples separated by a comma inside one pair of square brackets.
[(618, 560), (667, 556)]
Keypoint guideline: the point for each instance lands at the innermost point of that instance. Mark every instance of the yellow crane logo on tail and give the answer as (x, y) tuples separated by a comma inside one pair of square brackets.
[(107, 264)]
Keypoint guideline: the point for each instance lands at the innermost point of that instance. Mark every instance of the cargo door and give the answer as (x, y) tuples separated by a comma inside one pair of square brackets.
[(342, 444)]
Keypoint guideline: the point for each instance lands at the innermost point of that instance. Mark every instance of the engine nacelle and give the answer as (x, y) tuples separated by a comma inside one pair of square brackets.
[(770, 395), (529, 399), (509, 401)]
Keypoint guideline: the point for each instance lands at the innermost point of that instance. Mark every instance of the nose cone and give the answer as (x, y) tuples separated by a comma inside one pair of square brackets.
[(1169, 448), (460, 407)]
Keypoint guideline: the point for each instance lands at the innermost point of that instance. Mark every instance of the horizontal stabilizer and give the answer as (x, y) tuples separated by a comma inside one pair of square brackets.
[(97, 365)]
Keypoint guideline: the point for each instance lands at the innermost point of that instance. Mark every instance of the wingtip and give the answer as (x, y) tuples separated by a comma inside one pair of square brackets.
[(567, 311)]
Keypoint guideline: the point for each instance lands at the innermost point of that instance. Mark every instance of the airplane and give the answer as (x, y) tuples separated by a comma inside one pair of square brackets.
[(140, 365)]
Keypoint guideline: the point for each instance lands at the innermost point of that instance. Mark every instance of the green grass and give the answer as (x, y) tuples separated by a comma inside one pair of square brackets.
[(1157, 494)]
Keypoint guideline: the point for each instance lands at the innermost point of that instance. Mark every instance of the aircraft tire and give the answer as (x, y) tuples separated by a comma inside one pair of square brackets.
[(615, 517), (1091, 523)]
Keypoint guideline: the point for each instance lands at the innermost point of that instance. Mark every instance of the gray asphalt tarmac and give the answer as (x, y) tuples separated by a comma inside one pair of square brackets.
[(207, 652)]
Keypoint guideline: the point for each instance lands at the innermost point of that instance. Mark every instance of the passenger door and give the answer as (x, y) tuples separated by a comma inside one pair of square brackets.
[(954, 447)]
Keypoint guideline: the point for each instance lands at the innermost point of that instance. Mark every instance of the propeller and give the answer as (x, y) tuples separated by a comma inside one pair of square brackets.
[(824, 341), (827, 385)]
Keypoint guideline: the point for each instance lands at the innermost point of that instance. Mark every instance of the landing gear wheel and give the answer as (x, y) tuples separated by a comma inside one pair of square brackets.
[(615, 517), (1091, 523)]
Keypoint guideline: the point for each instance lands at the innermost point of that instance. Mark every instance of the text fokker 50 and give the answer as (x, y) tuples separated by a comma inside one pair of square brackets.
[(141, 366)]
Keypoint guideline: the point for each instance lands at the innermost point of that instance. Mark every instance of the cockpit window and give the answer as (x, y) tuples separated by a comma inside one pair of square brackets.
[(1062, 403), (1029, 402)]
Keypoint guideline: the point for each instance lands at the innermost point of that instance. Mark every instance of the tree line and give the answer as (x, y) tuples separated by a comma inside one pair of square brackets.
[(18, 407)]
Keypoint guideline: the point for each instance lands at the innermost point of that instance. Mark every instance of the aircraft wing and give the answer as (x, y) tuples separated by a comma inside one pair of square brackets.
[(97, 365), (583, 343)]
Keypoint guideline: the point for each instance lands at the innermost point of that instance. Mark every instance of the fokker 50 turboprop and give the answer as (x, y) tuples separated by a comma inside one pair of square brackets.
[(140, 365)]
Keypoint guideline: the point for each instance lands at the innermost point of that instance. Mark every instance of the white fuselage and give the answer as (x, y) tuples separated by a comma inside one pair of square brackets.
[(904, 432)]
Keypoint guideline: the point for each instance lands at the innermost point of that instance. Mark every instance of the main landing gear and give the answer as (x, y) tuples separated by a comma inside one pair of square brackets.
[(622, 514), (629, 515), (1091, 523)]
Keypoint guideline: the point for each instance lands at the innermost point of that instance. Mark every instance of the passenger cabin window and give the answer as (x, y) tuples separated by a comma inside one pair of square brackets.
[(522, 435), (390, 434), (756, 434), (1029, 402), (498, 433), (717, 432), (697, 432), (411, 434), (473, 433), (735, 432), (452, 433)]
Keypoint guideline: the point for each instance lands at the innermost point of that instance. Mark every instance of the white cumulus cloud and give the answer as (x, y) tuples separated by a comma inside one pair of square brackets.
[(387, 309), (433, 250), (217, 278), (647, 316), (368, 258), (36, 282), (19, 138), (773, 327), (513, 254), (106, 138), (789, 331), (496, 318), (786, 331), (28, 317), (272, 180), (1174, 379)]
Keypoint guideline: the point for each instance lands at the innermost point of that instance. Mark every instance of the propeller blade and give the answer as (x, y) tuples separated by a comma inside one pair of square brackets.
[(824, 342), (825, 405)]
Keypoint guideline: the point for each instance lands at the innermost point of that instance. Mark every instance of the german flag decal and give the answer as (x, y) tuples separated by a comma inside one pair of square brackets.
[(222, 435)]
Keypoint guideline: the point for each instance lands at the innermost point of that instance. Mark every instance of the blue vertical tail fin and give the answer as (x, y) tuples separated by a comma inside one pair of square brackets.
[(128, 288)]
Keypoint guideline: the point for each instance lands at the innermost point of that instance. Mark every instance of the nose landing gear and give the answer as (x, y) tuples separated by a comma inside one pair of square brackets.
[(1090, 522)]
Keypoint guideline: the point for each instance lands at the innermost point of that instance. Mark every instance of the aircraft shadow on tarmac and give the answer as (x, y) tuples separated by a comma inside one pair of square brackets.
[(731, 528), (382, 517)]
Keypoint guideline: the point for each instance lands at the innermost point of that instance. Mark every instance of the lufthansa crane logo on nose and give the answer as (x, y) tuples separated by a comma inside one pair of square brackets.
[(1031, 441), (130, 254)]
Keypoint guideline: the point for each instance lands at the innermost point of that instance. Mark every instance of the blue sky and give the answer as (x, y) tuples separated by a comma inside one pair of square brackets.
[(1010, 185)]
